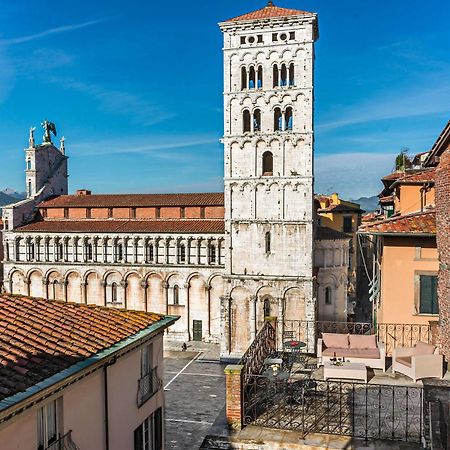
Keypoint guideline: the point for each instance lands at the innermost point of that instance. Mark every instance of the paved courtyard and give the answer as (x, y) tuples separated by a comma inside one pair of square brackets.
[(195, 397)]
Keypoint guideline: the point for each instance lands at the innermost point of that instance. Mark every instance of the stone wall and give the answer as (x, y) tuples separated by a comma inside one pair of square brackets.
[(443, 242)]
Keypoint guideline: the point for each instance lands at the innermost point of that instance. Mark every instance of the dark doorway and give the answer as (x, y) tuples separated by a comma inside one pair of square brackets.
[(197, 330)]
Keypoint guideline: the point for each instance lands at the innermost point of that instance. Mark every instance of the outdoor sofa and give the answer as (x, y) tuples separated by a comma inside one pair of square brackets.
[(355, 348), (420, 361)]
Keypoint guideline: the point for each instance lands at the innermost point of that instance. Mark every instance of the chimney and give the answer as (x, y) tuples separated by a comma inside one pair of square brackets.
[(83, 192)]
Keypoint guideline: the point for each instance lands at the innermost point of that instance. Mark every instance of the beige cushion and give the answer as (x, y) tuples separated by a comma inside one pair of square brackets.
[(421, 348), (335, 340), (362, 341), (352, 353), (405, 360)]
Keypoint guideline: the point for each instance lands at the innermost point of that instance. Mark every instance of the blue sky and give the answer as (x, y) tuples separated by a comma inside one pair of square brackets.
[(136, 88)]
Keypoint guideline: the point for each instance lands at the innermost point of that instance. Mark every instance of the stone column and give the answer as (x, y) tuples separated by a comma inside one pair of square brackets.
[(123, 285), (103, 284), (225, 326), (144, 286), (280, 323), (83, 292), (45, 287), (199, 251), (234, 396), (64, 284)]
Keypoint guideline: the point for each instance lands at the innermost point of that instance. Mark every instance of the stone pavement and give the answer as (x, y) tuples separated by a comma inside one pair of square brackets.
[(195, 393)]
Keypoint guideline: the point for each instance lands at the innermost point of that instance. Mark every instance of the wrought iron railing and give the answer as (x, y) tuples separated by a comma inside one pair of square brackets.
[(392, 334), (263, 345), (63, 443), (360, 410), (148, 385), (403, 335)]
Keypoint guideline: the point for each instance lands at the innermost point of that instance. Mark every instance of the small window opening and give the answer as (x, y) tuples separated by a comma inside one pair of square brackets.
[(212, 254), (266, 308), (283, 75), (278, 120), (328, 296), (182, 253), (257, 120), (260, 38), (88, 213), (89, 252), (182, 212), (246, 121), (292, 35), (59, 251), (120, 252), (243, 78), (110, 212), (158, 212), (114, 293), (268, 242), (242, 40), (276, 80), (274, 37), (251, 78), (289, 119), (28, 164), (292, 75), (260, 77), (202, 212), (176, 295), (66, 213), (133, 213), (267, 163)]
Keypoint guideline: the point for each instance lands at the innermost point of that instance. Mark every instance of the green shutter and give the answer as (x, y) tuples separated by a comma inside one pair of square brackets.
[(428, 295)]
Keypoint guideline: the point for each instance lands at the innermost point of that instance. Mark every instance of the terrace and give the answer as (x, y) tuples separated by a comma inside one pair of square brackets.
[(286, 390)]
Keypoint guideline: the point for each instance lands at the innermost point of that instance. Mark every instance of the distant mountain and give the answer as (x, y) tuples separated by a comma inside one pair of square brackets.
[(9, 196), (14, 194), (369, 204)]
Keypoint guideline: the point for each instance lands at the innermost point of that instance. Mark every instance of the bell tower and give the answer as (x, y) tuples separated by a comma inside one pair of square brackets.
[(268, 148)]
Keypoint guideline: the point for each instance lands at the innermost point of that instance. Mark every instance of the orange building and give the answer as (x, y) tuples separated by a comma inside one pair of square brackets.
[(403, 238)]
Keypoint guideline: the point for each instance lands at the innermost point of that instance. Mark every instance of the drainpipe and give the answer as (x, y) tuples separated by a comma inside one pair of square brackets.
[(105, 398)]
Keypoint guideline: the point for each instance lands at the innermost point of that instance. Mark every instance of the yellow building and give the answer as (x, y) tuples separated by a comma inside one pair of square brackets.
[(344, 216)]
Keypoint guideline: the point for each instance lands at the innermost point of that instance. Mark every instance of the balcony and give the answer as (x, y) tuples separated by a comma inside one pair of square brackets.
[(63, 443), (148, 385)]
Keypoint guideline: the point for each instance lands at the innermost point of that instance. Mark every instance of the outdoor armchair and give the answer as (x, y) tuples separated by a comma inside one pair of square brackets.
[(420, 361)]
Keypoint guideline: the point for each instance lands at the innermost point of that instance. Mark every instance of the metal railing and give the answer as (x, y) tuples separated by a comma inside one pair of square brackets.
[(148, 385), (263, 345), (392, 334), (360, 410), (63, 443)]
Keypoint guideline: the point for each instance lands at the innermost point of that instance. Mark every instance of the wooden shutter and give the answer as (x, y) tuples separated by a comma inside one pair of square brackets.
[(428, 294)]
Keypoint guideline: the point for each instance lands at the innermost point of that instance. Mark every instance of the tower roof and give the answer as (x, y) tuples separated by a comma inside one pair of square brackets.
[(268, 12)]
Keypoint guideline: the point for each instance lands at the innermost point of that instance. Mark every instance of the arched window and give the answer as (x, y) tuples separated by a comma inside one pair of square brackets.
[(266, 308), (89, 252), (291, 75), (277, 120), (59, 251), (150, 252), (114, 293), (257, 120), (28, 164), (328, 296), (54, 289), (243, 78), (267, 166), (119, 252), (211, 254), (267, 242), (276, 80), (252, 78), (246, 121), (29, 188), (289, 119), (181, 253), (176, 295), (30, 251), (284, 75), (260, 77)]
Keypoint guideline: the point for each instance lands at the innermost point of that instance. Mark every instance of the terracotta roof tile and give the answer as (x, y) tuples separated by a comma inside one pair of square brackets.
[(424, 176), (341, 208), (417, 223), (268, 12), (134, 200), (39, 338), (127, 226)]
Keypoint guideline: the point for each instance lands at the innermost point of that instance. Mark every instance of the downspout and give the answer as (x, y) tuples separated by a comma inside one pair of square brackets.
[(105, 399)]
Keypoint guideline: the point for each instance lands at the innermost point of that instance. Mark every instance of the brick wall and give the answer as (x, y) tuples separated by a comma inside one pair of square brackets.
[(443, 242)]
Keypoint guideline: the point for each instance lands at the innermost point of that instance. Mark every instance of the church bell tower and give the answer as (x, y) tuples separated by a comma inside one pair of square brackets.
[(268, 147)]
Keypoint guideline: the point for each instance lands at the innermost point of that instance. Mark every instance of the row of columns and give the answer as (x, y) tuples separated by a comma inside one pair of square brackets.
[(96, 250)]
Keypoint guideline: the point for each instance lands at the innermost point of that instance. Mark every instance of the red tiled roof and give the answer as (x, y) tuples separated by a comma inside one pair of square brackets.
[(341, 208), (134, 200), (127, 226), (268, 12), (424, 176), (394, 176), (387, 199), (39, 338), (417, 223), (325, 233)]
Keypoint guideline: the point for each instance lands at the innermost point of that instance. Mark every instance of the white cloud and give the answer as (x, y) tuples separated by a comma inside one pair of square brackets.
[(352, 175), (49, 32)]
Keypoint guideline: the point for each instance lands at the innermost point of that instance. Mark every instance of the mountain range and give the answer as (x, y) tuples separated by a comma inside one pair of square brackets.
[(368, 204)]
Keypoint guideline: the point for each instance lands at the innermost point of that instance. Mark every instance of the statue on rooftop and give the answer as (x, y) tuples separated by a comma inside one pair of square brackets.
[(31, 138), (49, 127)]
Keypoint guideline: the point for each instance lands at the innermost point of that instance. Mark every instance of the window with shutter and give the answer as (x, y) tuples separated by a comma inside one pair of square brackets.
[(428, 295)]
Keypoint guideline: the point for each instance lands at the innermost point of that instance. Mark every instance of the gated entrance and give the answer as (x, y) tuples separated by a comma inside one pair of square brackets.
[(197, 330)]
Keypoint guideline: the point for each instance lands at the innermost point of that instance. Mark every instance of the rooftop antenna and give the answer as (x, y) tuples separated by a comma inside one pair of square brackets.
[(270, 3)]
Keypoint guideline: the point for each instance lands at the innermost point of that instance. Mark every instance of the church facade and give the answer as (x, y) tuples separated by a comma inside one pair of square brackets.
[(222, 261)]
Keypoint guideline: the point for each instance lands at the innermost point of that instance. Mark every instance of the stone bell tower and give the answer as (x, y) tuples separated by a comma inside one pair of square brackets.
[(268, 144)]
